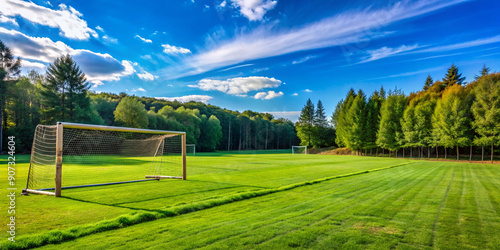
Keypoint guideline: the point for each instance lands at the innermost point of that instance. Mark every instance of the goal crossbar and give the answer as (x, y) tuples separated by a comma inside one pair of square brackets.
[(294, 147), (59, 156)]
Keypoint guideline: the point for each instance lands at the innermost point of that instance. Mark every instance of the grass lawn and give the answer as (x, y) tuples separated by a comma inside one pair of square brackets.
[(273, 200)]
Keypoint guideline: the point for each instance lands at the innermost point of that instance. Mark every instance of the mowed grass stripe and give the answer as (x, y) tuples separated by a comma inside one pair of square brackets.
[(311, 234), (351, 194), (57, 236), (198, 226)]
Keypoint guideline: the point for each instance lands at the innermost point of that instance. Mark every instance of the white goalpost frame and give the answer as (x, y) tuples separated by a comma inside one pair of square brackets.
[(305, 149), (59, 154), (194, 148)]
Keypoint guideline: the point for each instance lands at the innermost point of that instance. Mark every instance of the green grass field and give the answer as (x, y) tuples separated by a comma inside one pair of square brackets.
[(271, 200)]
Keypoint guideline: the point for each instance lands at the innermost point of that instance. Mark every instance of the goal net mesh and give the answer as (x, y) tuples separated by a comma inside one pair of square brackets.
[(299, 150), (98, 156)]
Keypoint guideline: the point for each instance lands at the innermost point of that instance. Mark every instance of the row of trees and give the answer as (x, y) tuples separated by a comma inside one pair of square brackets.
[(62, 94), (313, 128), (446, 114)]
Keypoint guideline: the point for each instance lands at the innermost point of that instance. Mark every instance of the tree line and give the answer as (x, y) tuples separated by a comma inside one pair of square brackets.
[(445, 114), (62, 94)]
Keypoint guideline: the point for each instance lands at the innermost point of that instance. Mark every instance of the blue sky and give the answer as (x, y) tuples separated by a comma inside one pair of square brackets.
[(263, 55)]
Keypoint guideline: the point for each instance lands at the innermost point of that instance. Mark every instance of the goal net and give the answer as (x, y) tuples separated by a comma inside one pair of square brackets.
[(71, 155), (299, 150), (191, 149)]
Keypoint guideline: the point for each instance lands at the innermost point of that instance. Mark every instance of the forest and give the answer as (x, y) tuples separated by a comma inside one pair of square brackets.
[(62, 94), (446, 116)]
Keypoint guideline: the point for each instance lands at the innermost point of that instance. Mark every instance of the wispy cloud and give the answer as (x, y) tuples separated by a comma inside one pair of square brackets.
[(172, 50), (462, 45), (254, 10), (342, 29), (239, 85), (411, 73), (143, 39), (146, 76), (308, 90), (295, 94), (4, 19), (267, 95), (67, 19), (235, 67), (99, 28), (303, 59), (187, 98), (139, 89), (387, 52)]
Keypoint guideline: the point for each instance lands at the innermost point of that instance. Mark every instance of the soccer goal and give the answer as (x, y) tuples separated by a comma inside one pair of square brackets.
[(191, 149), (71, 155), (299, 150)]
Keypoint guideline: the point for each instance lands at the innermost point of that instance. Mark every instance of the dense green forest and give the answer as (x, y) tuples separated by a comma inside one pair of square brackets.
[(62, 94), (445, 115)]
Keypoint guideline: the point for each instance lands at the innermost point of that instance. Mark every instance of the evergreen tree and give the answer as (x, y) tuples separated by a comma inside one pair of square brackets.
[(340, 118), (372, 119), (453, 77), (408, 126), (9, 68), (428, 82), (355, 132), (306, 123), (486, 110), (65, 93), (484, 71), (451, 118), (423, 122), (320, 116), (320, 130), (390, 130)]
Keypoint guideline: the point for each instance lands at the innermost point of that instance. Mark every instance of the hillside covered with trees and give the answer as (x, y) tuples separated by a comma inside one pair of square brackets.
[(62, 94)]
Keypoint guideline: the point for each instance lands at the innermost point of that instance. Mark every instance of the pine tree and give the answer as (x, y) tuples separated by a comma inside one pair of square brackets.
[(484, 71), (428, 82), (320, 129), (451, 118), (453, 77), (9, 68), (372, 119), (356, 122), (340, 118), (390, 130), (486, 111), (65, 92), (306, 123)]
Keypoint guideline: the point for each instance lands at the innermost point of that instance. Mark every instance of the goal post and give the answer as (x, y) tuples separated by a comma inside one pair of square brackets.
[(191, 148), (71, 155), (299, 150)]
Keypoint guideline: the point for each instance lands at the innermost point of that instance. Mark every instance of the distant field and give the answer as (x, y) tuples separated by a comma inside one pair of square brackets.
[(273, 200)]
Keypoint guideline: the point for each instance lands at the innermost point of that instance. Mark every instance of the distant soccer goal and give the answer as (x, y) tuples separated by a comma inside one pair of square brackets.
[(299, 150), (191, 149), (70, 155)]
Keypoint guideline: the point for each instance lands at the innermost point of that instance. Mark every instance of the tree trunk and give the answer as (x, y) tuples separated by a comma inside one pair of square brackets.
[(411, 153), (403, 153), (445, 154), (376, 152), (482, 154), (437, 153), (470, 158), (491, 152), (267, 133), (458, 154), (428, 153), (229, 137)]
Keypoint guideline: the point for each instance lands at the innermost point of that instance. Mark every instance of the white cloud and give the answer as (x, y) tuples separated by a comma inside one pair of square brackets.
[(99, 28), (308, 90), (295, 94), (169, 49), (267, 95), (139, 89), (342, 29), (147, 76), (110, 39), (290, 115), (67, 19), (223, 4), (4, 19), (143, 39), (387, 52), (187, 98), (239, 85), (238, 66), (27, 65), (303, 59), (96, 66), (463, 45), (254, 10)]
